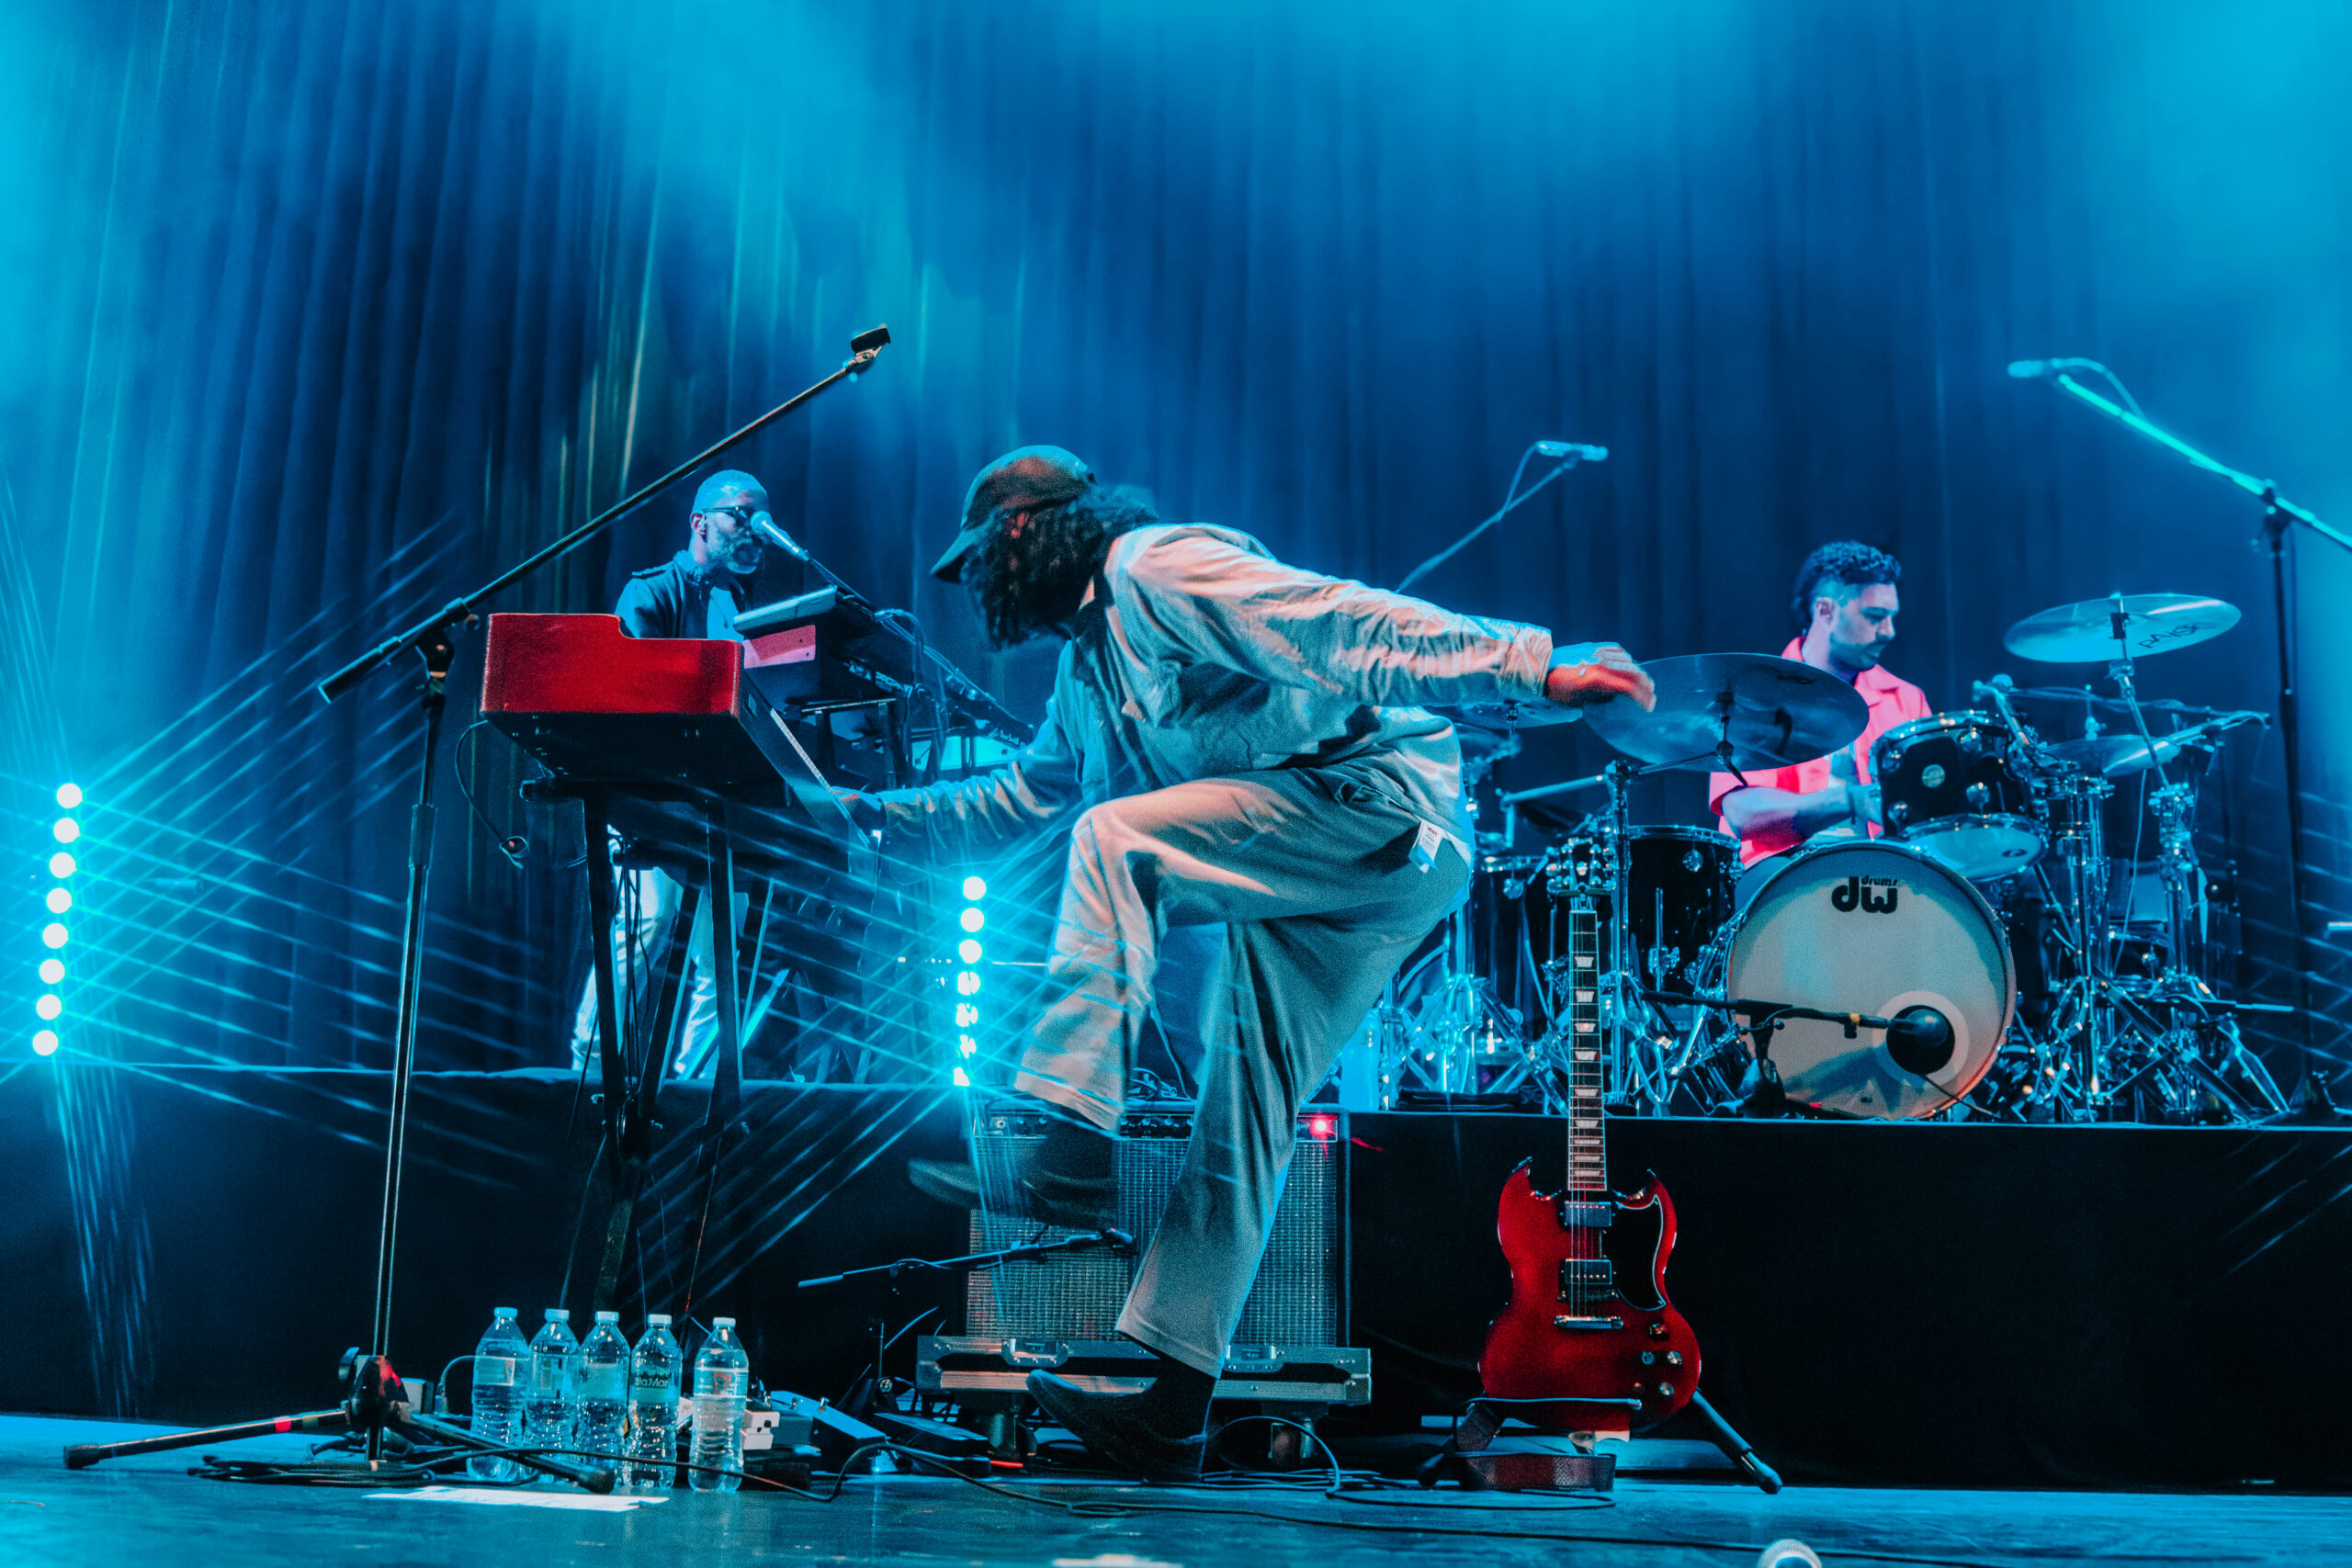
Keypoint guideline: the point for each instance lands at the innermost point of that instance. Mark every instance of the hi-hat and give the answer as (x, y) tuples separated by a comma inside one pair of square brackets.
[(1503, 717), (2122, 625), (1773, 712)]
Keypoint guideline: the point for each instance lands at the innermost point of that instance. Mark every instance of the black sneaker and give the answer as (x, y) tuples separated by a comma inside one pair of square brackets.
[(1113, 1427)]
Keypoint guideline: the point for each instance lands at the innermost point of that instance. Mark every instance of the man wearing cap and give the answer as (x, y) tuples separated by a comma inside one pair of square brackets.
[(696, 594), (1245, 744)]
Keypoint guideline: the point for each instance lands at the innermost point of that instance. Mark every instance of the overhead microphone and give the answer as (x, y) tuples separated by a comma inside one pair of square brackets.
[(2037, 369), (1578, 450)]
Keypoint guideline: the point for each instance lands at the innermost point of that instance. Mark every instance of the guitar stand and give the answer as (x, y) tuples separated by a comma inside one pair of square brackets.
[(1463, 1457)]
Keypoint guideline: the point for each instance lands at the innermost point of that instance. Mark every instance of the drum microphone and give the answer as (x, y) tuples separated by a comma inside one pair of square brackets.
[(777, 536), (1920, 1041), (1575, 451), (1997, 691), (2040, 369)]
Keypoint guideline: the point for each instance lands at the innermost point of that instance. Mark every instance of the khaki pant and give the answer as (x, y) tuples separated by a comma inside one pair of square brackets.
[(1313, 873)]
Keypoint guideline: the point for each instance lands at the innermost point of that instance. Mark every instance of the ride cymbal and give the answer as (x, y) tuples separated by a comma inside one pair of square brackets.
[(2093, 630)]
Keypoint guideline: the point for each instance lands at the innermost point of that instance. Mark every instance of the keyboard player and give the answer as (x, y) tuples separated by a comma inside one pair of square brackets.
[(696, 594)]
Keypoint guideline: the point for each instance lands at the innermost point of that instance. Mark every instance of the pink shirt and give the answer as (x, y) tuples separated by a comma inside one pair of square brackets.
[(1893, 701)]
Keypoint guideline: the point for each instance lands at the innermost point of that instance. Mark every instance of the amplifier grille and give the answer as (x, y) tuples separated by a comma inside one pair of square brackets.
[(1296, 1301)]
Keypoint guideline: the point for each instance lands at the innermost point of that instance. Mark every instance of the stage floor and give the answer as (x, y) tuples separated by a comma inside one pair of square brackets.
[(150, 1509)]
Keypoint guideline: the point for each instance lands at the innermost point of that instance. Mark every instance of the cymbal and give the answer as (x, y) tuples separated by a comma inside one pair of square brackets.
[(1775, 713), (1501, 718), (2115, 756), (2085, 632)]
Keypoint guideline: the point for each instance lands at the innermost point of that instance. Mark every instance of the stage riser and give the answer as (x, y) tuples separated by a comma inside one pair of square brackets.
[(1971, 1305)]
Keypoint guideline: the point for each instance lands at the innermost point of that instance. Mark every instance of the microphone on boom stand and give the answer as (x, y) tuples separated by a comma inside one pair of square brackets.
[(768, 530)]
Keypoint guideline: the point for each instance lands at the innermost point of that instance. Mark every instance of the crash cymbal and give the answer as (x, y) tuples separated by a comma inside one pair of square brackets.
[(1775, 713), (2086, 632)]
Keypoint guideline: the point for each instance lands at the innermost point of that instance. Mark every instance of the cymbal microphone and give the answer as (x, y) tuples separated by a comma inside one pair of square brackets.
[(1998, 688), (1576, 451)]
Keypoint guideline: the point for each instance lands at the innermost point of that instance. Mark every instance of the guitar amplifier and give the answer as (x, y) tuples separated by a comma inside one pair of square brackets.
[(1037, 1312)]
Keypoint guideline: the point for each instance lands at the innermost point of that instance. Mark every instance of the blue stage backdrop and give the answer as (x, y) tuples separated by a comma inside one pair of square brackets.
[(312, 315)]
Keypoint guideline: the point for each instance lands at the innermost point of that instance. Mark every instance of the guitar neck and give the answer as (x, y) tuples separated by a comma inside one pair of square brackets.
[(1587, 1158)]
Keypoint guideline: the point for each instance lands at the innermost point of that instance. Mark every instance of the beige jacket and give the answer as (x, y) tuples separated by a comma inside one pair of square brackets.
[(1212, 657)]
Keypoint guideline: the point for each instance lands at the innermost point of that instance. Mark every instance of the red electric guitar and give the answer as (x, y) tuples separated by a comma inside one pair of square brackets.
[(1572, 1335)]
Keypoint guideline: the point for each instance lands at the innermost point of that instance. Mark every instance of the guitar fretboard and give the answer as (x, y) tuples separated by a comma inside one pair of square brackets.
[(1587, 1165)]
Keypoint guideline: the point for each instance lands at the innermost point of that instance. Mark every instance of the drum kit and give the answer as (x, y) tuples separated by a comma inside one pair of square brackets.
[(1860, 976)]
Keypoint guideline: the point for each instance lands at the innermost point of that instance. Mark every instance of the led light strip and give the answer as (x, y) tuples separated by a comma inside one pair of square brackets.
[(54, 935)]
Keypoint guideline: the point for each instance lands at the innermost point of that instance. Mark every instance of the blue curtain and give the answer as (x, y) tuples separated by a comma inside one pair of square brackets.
[(315, 315)]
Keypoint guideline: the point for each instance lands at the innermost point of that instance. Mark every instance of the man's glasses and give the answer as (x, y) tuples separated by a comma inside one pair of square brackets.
[(740, 513)]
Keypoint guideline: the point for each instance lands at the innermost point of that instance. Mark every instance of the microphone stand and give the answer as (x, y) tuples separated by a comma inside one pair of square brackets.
[(2278, 514), (1117, 1241), (375, 1405)]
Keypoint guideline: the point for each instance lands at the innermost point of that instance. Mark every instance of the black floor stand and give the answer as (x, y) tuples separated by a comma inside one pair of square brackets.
[(379, 1405)]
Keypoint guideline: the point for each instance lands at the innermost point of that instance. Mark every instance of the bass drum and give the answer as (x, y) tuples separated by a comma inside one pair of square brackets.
[(1874, 928)]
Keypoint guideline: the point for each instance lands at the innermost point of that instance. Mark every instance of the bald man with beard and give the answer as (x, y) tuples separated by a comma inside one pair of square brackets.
[(1246, 745), (696, 594)]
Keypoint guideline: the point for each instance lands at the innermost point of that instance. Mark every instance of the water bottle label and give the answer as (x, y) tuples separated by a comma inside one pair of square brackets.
[(494, 1371), (656, 1379), (548, 1374), (723, 1383), (607, 1381)]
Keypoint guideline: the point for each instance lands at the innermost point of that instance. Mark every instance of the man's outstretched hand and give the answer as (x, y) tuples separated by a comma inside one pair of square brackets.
[(1594, 673)]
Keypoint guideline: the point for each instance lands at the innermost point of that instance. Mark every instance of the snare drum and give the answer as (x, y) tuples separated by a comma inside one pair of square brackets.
[(1875, 929), (1946, 784)]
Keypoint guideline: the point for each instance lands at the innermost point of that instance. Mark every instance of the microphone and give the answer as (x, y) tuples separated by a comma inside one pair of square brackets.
[(1998, 688), (2037, 369), (1575, 451), (777, 536), (1919, 1039)]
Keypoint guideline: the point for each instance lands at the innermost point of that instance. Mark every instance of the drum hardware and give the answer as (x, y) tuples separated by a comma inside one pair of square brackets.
[(1515, 798), (2131, 1023), (1919, 1039)]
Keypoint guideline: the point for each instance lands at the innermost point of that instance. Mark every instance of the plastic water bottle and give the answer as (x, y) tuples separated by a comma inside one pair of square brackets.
[(499, 1371), (653, 1407), (551, 1404), (722, 1384), (603, 1386)]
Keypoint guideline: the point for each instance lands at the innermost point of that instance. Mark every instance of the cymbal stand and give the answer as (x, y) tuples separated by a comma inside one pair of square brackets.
[(1463, 1026)]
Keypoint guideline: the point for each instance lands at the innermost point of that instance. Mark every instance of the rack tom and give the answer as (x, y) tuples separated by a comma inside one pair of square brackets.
[(1948, 786)]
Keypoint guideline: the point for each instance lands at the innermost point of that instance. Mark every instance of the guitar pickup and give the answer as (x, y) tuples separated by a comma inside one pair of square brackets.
[(1595, 1323), (1589, 1276), (1588, 1216)]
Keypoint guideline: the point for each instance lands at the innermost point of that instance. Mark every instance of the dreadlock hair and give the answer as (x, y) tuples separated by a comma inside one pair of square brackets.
[(1030, 583), (1846, 563)]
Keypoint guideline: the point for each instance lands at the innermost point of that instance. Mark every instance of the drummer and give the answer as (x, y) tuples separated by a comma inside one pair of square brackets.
[(1845, 602)]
